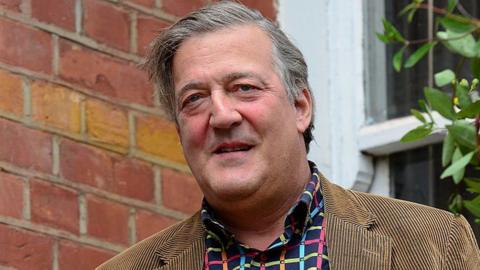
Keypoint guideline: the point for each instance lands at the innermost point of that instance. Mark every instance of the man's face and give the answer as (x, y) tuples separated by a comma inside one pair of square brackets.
[(239, 131)]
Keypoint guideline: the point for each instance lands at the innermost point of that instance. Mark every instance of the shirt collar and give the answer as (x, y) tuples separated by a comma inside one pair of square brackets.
[(308, 204)]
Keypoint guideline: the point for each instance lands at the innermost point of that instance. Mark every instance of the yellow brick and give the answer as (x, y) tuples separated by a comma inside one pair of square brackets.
[(107, 123), (159, 137), (56, 106), (11, 94)]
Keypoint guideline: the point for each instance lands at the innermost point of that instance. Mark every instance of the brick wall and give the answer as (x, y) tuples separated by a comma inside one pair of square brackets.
[(88, 163)]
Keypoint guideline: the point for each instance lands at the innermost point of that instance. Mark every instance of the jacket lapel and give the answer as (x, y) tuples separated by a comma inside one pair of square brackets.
[(350, 242), (185, 249)]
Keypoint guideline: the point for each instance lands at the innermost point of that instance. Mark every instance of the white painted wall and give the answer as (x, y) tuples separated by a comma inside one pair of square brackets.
[(330, 34)]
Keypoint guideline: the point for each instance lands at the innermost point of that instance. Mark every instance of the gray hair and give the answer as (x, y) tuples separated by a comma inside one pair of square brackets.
[(287, 59)]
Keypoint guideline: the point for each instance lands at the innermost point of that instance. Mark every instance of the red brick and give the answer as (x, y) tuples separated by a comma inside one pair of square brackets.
[(157, 136), (58, 12), (94, 167), (104, 74), (181, 7), (11, 195), (74, 256), (180, 191), (147, 29), (107, 220), (148, 223), (23, 250), (107, 123), (85, 164), (11, 94), (56, 106), (134, 179), (266, 7), (36, 54), (147, 3), (54, 206), (13, 5), (25, 147), (106, 23)]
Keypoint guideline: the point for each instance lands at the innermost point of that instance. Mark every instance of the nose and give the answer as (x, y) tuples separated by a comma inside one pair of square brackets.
[(223, 115)]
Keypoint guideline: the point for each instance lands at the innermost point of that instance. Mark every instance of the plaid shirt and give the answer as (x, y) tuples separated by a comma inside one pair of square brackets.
[(301, 246)]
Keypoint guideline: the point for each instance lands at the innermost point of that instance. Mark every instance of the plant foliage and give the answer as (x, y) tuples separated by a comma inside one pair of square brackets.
[(454, 98)]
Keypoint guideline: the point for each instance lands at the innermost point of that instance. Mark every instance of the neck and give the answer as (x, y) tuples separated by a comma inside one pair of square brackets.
[(260, 220)]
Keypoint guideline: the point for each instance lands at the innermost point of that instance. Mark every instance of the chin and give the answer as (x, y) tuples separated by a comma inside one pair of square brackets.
[(233, 187)]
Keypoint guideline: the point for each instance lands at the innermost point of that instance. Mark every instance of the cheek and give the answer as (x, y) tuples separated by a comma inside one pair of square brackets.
[(192, 134)]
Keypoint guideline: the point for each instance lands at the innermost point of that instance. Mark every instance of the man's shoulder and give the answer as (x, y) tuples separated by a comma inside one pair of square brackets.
[(367, 208), (151, 252), (387, 208), (405, 221)]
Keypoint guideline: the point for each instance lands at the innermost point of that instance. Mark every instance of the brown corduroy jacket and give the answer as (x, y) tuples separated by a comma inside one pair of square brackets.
[(364, 231)]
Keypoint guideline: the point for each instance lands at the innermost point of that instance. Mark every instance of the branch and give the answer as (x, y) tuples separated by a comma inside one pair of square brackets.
[(447, 14)]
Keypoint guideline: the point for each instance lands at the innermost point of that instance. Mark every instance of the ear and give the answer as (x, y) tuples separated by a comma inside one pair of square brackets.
[(303, 107)]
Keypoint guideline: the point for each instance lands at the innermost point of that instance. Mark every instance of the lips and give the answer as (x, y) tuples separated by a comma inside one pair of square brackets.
[(232, 147)]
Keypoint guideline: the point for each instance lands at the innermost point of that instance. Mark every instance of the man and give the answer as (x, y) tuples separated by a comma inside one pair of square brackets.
[(238, 92)]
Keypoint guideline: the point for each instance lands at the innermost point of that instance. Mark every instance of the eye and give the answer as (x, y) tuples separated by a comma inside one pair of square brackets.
[(245, 87), (191, 99)]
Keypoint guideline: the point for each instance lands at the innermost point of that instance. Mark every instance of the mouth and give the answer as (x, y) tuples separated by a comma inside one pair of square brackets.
[(232, 148)]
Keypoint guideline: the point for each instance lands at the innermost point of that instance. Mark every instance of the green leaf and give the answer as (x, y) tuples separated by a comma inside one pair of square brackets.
[(383, 38), (407, 9), (444, 77), (447, 149), (470, 111), (456, 26), (473, 185), (463, 44), (418, 115), (455, 203), (464, 134), (417, 134), (423, 105), (458, 175), (410, 10), (440, 102), (391, 32), (457, 165), (461, 91), (473, 206), (475, 67), (410, 15), (419, 54), (398, 59), (451, 5)]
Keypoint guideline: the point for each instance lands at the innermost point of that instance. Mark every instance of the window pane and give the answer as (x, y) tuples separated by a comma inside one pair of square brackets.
[(406, 87), (415, 176)]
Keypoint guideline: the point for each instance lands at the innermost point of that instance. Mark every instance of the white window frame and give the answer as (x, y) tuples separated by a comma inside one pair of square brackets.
[(344, 56)]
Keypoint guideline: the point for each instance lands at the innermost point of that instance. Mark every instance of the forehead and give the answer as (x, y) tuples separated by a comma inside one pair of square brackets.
[(242, 48)]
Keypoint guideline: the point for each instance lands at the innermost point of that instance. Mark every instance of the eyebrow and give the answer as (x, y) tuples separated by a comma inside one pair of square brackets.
[(239, 75), (227, 78)]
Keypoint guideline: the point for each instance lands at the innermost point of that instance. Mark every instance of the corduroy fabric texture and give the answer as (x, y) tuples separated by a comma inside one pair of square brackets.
[(364, 231)]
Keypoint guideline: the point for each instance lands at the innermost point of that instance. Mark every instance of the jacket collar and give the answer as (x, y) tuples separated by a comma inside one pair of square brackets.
[(185, 247), (351, 242)]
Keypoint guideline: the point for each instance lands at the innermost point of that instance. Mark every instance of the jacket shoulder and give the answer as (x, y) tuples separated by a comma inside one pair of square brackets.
[(415, 228), (385, 208), (150, 252)]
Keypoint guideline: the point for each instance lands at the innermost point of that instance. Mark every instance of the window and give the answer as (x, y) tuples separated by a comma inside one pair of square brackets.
[(362, 105), (415, 173)]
